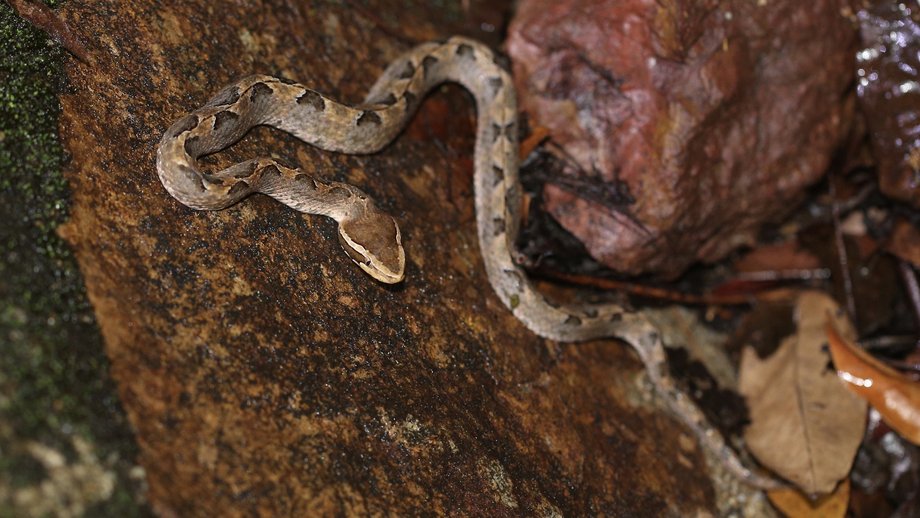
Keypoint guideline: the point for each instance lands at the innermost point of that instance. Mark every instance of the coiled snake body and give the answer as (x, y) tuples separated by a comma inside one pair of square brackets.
[(369, 236)]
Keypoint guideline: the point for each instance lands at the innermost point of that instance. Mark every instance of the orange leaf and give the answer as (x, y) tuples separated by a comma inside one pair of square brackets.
[(896, 397), (784, 256), (537, 137), (794, 504)]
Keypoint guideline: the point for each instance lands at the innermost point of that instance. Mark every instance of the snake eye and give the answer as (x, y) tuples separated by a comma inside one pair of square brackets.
[(373, 244)]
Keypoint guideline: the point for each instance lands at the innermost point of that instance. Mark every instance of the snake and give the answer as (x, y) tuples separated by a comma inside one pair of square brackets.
[(371, 237)]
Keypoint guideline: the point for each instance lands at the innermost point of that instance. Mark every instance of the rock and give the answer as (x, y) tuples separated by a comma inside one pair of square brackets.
[(889, 94), (715, 116), (263, 372)]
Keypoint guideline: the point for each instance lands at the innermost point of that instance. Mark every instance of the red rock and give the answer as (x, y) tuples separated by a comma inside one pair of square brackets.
[(716, 115)]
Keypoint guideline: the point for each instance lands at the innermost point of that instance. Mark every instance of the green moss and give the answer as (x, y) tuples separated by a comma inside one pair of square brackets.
[(55, 388)]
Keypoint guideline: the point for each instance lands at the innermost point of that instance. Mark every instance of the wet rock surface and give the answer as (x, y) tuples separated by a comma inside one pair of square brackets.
[(262, 371), (707, 118), (889, 94)]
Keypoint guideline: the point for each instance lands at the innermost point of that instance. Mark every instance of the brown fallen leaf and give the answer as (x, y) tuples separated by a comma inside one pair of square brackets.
[(783, 256), (805, 425), (538, 135), (794, 504), (896, 397), (905, 242)]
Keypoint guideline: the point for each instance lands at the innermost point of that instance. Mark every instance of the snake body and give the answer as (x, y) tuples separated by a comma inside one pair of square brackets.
[(372, 238)]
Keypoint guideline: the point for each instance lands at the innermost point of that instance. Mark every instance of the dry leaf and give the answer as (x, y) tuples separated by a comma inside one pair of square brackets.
[(896, 397), (905, 242), (538, 135), (805, 425), (794, 504), (783, 256)]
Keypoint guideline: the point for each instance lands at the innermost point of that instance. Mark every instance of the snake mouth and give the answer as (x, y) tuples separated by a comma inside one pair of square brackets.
[(366, 261), (381, 275)]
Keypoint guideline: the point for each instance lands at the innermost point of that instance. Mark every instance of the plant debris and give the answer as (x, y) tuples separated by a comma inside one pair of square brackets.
[(894, 395), (796, 505), (804, 424)]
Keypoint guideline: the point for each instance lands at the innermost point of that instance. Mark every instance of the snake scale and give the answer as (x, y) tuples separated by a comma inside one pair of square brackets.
[(370, 237)]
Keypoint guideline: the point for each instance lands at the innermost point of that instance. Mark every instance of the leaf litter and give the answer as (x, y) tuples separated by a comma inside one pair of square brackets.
[(805, 425), (851, 244)]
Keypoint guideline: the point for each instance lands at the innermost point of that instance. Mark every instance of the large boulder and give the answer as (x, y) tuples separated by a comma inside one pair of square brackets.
[(708, 118)]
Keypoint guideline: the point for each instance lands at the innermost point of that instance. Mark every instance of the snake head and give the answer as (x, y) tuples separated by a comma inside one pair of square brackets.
[(374, 243)]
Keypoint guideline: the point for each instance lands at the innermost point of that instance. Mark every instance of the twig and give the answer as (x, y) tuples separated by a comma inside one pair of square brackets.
[(539, 135), (47, 20), (614, 196), (842, 254), (857, 199), (913, 289), (802, 274), (666, 294), (887, 342)]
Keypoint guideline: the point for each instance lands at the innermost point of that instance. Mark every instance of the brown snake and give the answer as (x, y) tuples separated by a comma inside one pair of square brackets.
[(370, 237)]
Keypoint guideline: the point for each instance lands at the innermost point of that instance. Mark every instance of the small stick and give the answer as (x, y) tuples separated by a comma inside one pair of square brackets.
[(801, 274), (665, 294), (537, 137), (44, 18), (842, 254), (910, 283), (884, 342)]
